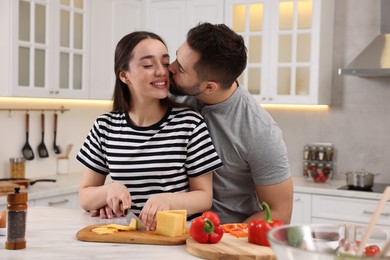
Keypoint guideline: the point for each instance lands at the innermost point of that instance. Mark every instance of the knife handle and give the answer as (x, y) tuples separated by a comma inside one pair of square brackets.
[(123, 210)]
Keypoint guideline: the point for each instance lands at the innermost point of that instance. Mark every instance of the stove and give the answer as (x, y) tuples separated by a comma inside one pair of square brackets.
[(377, 188)]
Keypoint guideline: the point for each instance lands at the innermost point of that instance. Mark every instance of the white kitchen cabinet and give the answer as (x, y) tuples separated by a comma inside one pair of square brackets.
[(70, 200), (61, 201), (301, 208), (289, 48), (171, 19), (343, 209), (48, 49), (110, 21)]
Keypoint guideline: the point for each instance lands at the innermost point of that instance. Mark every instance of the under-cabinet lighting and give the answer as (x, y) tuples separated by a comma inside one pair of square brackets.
[(295, 107), (59, 101), (39, 101)]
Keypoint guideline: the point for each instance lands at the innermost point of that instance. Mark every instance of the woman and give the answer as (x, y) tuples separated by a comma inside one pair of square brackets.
[(159, 155)]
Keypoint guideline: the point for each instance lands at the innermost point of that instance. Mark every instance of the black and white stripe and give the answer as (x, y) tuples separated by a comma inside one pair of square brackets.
[(150, 160)]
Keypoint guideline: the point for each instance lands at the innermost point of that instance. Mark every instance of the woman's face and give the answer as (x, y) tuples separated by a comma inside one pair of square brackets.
[(148, 75)]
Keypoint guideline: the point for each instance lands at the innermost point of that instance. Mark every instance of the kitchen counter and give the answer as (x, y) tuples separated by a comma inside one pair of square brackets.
[(51, 234), (69, 183), (65, 184), (330, 188)]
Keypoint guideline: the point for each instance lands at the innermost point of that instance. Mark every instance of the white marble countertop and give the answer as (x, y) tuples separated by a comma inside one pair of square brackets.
[(330, 188), (51, 234), (69, 183)]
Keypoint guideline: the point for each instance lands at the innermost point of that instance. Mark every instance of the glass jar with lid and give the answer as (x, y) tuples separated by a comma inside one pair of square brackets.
[(17, 167)]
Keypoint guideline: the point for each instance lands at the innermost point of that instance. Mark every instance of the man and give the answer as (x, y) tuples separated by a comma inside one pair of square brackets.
[(247, 139)]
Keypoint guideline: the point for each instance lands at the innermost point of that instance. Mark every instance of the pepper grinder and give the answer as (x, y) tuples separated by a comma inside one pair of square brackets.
[(16, 220)]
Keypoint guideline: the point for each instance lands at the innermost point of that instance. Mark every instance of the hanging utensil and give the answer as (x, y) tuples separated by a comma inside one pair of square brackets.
[(42, 151), (27, 151), (56, 147), (25, 182)]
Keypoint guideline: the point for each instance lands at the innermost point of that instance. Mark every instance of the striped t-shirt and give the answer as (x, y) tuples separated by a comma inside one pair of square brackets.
[(150, 160)]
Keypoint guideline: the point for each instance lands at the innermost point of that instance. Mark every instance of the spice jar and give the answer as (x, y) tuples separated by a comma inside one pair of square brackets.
[(321, 153), (17, 167), (16, 220), (306, 151), (306, 169), (329, 154), (313, 153)]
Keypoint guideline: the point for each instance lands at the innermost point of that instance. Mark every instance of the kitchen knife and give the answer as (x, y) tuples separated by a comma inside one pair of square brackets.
[(130, 215)]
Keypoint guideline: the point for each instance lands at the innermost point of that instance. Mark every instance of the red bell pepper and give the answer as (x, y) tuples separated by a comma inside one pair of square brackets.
[(258, 228), (206, 228)]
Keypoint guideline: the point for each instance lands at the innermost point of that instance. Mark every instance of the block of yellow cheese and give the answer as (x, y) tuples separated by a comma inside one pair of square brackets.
[(171, 223)]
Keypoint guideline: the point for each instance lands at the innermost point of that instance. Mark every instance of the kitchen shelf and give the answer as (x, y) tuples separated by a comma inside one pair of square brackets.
[(61, 109)]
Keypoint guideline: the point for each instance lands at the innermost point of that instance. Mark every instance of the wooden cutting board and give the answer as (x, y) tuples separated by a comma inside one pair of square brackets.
[(230, 247), (129, 237)]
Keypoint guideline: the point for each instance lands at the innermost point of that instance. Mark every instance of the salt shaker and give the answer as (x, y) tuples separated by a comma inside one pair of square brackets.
[(16, 220)]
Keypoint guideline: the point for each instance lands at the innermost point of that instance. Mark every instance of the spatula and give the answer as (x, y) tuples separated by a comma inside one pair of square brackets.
[(56, 147), (27, 151), (42, 151)]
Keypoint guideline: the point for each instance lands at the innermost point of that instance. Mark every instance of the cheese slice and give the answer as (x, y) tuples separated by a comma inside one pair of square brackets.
[(171, 223), (133, 224), (104, 230), (111, 228)]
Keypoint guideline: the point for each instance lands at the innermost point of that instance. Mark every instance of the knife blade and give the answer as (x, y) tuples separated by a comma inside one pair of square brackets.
[(130, 215)]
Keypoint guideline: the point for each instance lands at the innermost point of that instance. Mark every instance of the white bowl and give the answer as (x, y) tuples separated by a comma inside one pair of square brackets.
[(319, 241)]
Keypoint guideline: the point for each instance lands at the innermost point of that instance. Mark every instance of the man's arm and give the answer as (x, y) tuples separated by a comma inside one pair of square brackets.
[(279, 198)]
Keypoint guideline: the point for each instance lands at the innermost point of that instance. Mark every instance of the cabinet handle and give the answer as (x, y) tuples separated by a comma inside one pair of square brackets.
[(270, 98), (53, 203), (386, 214)]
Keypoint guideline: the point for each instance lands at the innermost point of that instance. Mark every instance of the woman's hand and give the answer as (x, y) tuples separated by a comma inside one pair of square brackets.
[(118, 199), (103, 212), (149, 212)]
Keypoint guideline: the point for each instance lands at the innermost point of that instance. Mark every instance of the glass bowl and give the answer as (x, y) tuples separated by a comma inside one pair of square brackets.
[(322, 241), (320, 172)]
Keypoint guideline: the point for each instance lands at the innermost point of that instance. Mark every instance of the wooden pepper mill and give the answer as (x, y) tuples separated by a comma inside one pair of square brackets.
[(16, 220)]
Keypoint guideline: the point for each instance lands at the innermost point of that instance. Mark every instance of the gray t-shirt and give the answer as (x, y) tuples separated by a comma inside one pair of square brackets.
[(250, 145)]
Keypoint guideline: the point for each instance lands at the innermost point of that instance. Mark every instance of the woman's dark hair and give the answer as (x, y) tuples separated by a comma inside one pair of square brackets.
[(123, 55), (223, 54)]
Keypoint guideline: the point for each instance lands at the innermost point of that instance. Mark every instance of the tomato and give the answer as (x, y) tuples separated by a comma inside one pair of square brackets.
[(371, 250)]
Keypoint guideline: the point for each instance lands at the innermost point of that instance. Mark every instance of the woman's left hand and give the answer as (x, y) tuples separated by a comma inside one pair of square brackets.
[(103, 212), (149, 212)]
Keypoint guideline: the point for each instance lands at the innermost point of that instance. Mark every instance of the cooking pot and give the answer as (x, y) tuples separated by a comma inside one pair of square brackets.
[(26, 182), (360, 179)]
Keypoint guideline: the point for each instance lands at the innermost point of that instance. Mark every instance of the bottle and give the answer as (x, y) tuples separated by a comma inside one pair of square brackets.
[(306, 169), (321, 153), (306, 151), (16, 220), (329, 154), (17, 167), (313, 153)]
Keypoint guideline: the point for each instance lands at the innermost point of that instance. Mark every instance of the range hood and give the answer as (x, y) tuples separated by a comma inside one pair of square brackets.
[(374, 61)]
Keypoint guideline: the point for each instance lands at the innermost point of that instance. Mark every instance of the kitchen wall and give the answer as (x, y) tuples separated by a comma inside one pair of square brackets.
[(73, 127), (357, 122)]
